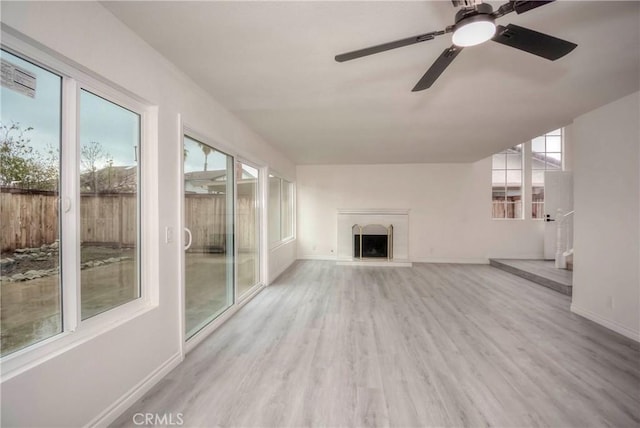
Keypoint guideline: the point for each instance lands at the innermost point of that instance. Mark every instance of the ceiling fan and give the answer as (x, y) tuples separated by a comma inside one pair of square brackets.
[(475, 24)]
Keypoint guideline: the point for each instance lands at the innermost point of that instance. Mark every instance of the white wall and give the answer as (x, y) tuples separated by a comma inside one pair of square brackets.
[(450, 217), (606, 279), (88, 380), (280, 258)]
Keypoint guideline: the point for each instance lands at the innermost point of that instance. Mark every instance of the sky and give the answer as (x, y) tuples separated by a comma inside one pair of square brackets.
[(41, 113), (194, 157), (115, 128)]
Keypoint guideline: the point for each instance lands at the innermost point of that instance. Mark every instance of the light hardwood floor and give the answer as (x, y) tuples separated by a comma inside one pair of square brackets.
[(432, 345), (543, 268)]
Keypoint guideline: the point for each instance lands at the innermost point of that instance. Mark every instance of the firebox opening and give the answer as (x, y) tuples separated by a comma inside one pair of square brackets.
[(372, 246)]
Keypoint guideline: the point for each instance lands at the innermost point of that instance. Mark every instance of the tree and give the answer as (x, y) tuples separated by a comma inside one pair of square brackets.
[(206, 150), (99, 175), (91, 155), (22, 165)]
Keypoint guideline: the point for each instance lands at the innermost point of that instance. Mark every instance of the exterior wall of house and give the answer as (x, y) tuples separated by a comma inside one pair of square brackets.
[(90, 381), (606, 279), (449, 218)]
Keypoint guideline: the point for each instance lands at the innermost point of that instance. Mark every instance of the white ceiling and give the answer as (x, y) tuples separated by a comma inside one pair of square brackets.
[(271, 63)]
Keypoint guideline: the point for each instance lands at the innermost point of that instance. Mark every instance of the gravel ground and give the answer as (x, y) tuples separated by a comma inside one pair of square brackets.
[(88, 253)]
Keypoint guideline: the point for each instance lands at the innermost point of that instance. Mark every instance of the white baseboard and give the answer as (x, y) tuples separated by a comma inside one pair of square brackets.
[(373, 262), (109, 415), (471, 261), (476, 261), (317, 257), (610, 324)]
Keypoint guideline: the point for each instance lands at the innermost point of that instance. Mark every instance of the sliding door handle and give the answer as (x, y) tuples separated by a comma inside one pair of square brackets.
[(188, 245)]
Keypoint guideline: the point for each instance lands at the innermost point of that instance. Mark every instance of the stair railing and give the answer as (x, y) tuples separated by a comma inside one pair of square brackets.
[(564, 237)]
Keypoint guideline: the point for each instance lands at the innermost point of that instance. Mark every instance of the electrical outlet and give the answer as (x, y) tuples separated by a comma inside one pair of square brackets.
[(168, 234)]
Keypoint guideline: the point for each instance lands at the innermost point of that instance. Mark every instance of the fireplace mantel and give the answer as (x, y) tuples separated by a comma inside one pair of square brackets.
[(372, 211), (399, 218)]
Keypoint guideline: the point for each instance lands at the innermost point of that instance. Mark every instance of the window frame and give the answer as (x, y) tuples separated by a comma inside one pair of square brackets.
[(223, 146), (74, 330), (286, 239), (506, 170), (189, 342), (125, 102), (532, 169), (291, 207), (275, 242), (239, 297)]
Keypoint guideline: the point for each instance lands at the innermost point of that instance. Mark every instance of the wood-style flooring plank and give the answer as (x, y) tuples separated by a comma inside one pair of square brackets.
[(432, 345)]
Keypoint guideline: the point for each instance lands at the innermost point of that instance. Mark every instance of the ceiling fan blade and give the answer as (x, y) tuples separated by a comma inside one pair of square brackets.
[(522, 6), (527, 40), (437, 68), (388, 46)]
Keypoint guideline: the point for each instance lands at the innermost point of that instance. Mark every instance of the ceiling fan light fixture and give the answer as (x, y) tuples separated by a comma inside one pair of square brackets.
[(474, 30), (474, 24)]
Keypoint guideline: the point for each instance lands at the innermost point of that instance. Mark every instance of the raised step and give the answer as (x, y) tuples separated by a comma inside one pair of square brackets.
[(542, 272), (569, 260)]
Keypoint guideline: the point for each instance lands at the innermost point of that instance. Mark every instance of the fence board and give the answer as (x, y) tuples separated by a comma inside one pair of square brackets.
[(30, 219)]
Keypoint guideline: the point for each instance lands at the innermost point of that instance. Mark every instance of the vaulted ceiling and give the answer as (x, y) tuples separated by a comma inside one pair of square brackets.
[(272, 64)]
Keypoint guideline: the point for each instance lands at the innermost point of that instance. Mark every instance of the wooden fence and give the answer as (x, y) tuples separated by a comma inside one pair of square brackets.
[(206, 218), (108, 219), (30, 219), (513, 208)]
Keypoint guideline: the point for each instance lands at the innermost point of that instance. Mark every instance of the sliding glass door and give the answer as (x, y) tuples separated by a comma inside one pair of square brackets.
[(248, 227), (209, 250)]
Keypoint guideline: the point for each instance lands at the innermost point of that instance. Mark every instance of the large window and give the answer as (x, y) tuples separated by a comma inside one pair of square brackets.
[(508, 172), (281, 213), (209, 256), (286, 211), (70, 206), (507, 183), (30, 285), (546, 154), (248, 226), (109, 142)]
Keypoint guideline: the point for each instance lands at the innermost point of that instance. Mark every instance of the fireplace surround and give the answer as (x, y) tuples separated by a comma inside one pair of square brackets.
[(376, 221)]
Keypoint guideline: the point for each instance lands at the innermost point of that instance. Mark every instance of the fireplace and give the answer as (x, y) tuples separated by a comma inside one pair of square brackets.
[(372, 241), (390, 222)]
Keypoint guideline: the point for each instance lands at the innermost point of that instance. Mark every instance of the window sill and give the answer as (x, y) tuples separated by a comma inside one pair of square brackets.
[(38, 353), (282, 243)]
